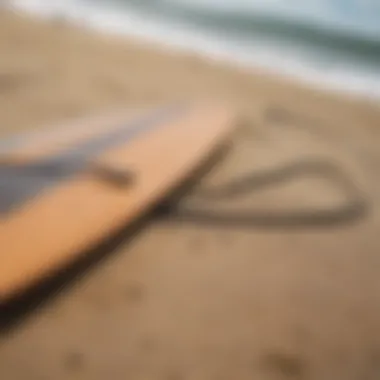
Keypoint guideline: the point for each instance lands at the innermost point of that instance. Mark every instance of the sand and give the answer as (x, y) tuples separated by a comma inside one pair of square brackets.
[(185, 301)]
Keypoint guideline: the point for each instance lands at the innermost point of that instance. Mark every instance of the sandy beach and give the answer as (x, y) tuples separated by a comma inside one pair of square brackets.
[(192, 302)]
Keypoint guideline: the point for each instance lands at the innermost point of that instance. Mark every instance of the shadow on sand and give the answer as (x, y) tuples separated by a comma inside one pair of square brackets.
[(17, 309)]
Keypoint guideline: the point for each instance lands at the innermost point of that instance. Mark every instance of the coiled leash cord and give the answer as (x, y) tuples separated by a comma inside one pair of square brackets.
[(356, 206)]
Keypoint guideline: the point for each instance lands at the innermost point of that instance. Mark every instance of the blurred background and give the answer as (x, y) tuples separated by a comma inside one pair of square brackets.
[(331, 43)]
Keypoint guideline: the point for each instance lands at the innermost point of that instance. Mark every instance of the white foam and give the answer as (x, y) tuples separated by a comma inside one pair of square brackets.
[(275, 59)]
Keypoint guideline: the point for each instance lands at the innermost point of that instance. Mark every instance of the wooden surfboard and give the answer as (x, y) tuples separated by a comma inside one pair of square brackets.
[(65, 189)]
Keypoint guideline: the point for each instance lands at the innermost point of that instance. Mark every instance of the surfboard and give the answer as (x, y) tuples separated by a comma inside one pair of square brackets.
[(65, 189)]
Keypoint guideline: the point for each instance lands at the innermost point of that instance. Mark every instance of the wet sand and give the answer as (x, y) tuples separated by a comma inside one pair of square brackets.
[(188, 301)]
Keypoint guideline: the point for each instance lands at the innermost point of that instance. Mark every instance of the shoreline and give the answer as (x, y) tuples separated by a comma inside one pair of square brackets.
[(341, 80), (70, 36)]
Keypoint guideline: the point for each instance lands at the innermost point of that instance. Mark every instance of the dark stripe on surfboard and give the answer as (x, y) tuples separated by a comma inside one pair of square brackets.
[(20, 183)]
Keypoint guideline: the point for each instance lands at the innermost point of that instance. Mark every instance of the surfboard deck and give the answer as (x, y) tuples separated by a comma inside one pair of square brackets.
[(64, 190)]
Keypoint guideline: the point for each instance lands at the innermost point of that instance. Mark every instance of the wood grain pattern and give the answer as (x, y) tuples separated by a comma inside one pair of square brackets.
[(51, 229)]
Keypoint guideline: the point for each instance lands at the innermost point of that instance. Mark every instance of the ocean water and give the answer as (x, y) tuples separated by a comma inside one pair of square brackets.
[(333, 44)]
